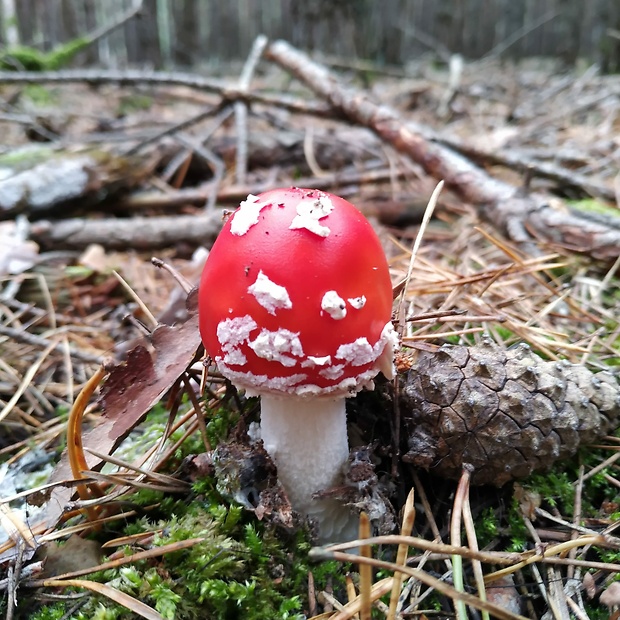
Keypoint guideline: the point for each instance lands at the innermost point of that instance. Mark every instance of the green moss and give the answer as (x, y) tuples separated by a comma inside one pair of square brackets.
[(40, 95), (50, 612), (556, 487), (488, 528), (134, 103), (22, 58), (591, 205), (219, 424), (26, 157), (243, 568), (516, 530)]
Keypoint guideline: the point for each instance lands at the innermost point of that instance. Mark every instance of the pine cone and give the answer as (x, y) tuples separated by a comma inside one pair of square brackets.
[(507, 413)]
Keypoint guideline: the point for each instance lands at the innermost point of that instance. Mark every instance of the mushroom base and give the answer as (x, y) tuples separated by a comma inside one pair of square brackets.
[(307, 439)]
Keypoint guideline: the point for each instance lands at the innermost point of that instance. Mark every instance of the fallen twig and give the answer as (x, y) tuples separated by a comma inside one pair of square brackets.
[(523, 218), (140, 233), (570, 179), (163, 78), (241, 108)]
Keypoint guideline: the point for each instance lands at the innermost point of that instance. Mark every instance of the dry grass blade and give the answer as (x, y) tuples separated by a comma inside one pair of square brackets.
[(15, 527), (428, 213), (124, 480), (365, 569), (44, 488), (455, 538), (379, 589), (162, 478), (132, 539), (433, 582), (113, 594), (424, 545), (145, 309), (470, 530), (351, 594), (401, 555), (552, 550), (87, 526)]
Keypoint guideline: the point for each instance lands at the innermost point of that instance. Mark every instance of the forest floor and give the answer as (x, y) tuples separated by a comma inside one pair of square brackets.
[(145, 514)]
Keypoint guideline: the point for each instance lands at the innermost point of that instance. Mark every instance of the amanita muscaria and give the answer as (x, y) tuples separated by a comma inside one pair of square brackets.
[(295, 304)]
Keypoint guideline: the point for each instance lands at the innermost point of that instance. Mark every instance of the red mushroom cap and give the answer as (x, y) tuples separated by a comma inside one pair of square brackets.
[(296, 296)]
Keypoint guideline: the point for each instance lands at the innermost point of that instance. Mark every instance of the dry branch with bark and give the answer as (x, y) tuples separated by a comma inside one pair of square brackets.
[(521, 217)]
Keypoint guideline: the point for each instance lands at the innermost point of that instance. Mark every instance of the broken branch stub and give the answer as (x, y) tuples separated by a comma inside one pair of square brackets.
[(507, 413)]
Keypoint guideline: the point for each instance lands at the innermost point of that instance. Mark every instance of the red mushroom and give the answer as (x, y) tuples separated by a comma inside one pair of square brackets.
[(295, 305)]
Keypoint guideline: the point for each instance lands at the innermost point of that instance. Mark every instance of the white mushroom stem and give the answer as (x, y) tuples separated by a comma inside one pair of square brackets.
[(307, 439)]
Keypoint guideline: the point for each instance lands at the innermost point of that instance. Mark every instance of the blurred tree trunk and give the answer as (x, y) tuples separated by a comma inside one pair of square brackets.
[(608, 33), (568, 31), (449, 24), (185, 37), (144, 47), (9, 15), (185, 33)]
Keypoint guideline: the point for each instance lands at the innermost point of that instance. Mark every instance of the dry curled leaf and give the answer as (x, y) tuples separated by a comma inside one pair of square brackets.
[(505, 412)]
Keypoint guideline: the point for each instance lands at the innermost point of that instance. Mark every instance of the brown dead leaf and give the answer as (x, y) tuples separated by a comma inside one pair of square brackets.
[(94, 257), (528, 501), (611, 597), (504, 593), (135, 386), (589, 585), (75, 554)]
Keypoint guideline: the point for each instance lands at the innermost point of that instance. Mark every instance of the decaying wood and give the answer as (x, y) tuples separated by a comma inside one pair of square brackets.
[(138, 233), (35, 181), (506, 413), (521, 217), (150, 233)]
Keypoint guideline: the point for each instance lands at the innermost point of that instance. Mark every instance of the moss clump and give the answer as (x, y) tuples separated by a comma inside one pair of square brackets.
[(22, 58), (134, 103), (243, 568)]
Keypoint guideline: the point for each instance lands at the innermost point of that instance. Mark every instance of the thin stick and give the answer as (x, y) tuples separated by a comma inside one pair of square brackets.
[(180, 279), (149, 315)]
